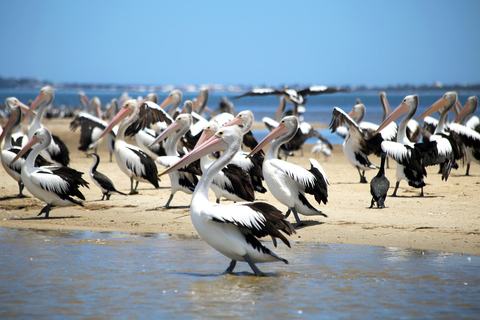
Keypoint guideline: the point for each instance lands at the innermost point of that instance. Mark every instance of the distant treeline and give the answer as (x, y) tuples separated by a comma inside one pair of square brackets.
[(32, 83)]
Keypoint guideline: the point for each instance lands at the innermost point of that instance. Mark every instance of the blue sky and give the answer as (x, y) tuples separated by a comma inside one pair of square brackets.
[(242, 42)]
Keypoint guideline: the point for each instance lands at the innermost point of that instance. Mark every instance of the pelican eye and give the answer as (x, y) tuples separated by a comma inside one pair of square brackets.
[(127, 105), (207, 128), (405, 100), (220, 133), (283, 121)]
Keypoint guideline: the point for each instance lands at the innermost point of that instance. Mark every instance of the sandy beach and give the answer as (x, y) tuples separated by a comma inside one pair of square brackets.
[(447, 218)]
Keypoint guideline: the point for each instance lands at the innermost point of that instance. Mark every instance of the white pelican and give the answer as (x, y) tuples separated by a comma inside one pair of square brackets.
[(252, 165), (91, 127), (57, 151), (409, 159), (132, 160), (233, 229), (179, 180), (296, 97), (449, 147), (379, 185), (18, 137), (101, 180), (355, 146), (232, 182), (9, 151), (55, 185), (472, 153), (288, 182)]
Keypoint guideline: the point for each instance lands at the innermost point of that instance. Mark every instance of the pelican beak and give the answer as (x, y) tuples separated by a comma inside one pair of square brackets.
[(10, 121), (168, 101), (171, 129), (213, 144), (235, 121), (206, 134), (439, 104), (27, 147), (401, 109), (353, 114), (122, 114), (384, 101), (281, 108), (40, 98), (279, 131)]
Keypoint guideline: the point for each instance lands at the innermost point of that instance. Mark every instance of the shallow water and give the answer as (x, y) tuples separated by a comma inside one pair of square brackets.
[(59, 274)]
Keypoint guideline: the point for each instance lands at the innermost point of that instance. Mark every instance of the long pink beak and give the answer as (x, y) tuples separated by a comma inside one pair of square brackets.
[(40, 98), (439, 104), (206, 134), (213, 144), (28, 146), (401, 109), (279, 131), (165, 103), (122, 114), (234, 121), (171, 129)]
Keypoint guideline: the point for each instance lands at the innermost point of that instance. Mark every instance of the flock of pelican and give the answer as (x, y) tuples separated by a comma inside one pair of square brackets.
[(203, 150)]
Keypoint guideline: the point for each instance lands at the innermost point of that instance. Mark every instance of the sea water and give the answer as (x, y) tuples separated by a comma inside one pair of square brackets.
[(55, 274)]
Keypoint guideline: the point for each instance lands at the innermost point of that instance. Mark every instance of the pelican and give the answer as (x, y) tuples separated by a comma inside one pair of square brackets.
[(91, 127), (355, 147), (18, 137), (55, 185), (9, 151), (288, 182), (233, 229), (179, 180), (134, 162), (101, 180), (449, 147), (472, 153), (409, 159), (305, 130), (232, 182), (296, 97), (57, 151), (379, 185)]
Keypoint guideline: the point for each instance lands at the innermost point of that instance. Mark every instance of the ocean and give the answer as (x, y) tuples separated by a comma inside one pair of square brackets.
[(318, 109)]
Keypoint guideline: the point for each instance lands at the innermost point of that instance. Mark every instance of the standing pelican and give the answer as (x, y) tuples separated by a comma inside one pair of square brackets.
[(9, 151), (233, 229), (355, 147), (101, 180), (57, 151), (288, 182), (410, 157), (179, 180), (134, 162), (55, 185)]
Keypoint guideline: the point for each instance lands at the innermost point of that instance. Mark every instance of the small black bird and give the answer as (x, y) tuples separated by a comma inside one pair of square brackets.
[(379, 185), (101, 180)]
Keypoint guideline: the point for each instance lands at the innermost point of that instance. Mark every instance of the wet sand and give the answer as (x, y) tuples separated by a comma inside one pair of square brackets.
[(447, 218)]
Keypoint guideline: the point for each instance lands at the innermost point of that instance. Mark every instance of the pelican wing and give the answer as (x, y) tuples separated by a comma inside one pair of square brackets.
[(63, 181), (253, 218), (314, 90), (150, 113), (469, 137), (259, 92)]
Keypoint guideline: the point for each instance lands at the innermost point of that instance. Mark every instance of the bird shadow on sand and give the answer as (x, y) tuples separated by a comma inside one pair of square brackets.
[(163, 208), (305, 224), (425, 196), (13, 197), (44, 218)]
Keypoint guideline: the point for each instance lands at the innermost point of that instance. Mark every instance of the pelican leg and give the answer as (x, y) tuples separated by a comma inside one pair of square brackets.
[(421, 193), (20, 190), (288, 213), (133, 190), (45, 210), (295, 214), (373, 202), (108, 195), (169, 200), (394, 194), (230, 268), (252, 265), (362, 176), (467, 173)]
